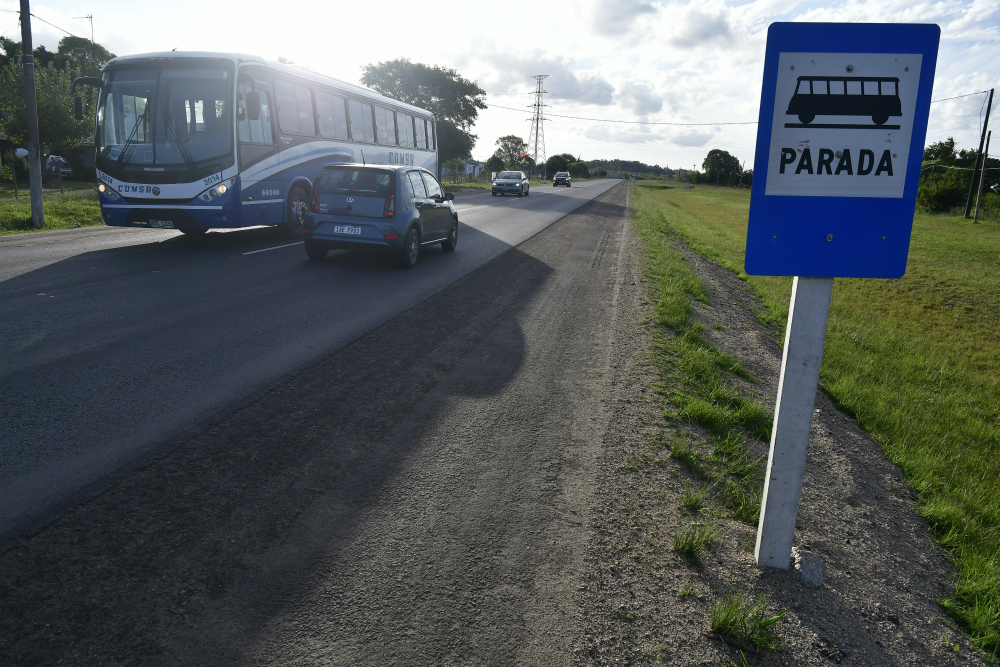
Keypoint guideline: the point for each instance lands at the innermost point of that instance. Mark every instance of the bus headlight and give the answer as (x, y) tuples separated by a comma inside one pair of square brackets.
[(108, 192), (214, 192)]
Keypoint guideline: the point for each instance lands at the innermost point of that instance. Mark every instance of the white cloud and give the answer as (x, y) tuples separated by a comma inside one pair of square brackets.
[(695, 138), (639, 97), (614, 18)]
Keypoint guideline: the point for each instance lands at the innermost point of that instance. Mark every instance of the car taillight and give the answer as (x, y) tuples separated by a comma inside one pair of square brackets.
[(389, 208), (315, 204)]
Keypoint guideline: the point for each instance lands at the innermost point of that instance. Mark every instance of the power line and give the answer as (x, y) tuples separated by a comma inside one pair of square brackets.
[(981, 92), (630, 122), (14, 11)]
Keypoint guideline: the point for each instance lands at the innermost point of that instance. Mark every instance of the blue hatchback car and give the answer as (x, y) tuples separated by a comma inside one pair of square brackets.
[(399, 209)]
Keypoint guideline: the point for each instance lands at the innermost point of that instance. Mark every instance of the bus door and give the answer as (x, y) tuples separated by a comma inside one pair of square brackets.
[(262, 192)]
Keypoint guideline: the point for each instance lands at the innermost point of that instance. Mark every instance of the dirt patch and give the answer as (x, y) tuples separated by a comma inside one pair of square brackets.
[(642, 602)]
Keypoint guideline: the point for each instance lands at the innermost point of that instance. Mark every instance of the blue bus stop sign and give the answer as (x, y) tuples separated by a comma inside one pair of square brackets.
[(843, 118)]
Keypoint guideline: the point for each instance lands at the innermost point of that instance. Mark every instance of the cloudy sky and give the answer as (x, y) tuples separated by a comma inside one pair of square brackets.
[(607, 60)]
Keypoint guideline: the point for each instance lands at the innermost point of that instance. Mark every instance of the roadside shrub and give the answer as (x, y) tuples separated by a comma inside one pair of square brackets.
[(948, 191)]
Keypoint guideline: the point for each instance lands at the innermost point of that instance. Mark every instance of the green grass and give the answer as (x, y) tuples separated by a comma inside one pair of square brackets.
[(916, 361), (694, 497), (75, 208), (693, 539), (745, 616)]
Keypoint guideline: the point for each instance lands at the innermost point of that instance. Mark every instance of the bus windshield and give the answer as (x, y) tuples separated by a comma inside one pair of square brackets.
[(165, 116)]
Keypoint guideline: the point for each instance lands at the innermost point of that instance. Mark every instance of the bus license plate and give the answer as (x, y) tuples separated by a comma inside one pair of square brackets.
[(162, 224), (347, 229)]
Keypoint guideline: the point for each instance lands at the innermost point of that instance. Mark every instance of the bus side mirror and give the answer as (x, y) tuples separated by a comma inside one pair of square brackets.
[(253, 106), (78, 107)]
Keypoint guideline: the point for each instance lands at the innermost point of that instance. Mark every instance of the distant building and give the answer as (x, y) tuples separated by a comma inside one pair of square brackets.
[(473, 168)]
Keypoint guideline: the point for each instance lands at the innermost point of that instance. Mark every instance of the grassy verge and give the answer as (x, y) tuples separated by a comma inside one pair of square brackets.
[(74, 208), (916, 361), (697, 383)]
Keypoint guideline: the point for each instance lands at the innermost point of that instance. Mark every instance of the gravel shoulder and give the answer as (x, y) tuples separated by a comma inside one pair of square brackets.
[(643, 603)]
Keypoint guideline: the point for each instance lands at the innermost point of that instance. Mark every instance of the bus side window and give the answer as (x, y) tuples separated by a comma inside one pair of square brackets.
[(430, 135), (332, 116), (382, 130), (888, 87), (390, 124), (405, 130), (853, 87), (366, 117), (295, 113), (837, 88), (357, 127), (421, 133), (260, 129), (803, 88), (871, 87), (242, 122)]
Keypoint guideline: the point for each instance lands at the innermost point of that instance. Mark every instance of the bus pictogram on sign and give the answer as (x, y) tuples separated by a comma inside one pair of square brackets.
[(877, 97)]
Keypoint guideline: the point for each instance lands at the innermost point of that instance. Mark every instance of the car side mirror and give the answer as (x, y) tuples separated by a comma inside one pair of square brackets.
[(78, 107), (253, 106), (450, 196)]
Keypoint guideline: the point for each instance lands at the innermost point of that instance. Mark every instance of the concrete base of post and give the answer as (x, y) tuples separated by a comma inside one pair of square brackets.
[(793, 411)]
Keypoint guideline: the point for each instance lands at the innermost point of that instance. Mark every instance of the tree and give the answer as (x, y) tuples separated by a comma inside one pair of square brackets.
[(494, 164), (453, 143), (559, 162), (509, 149), (719, 164), (454, 100), (578, 169), (57, 126), (941, 151)]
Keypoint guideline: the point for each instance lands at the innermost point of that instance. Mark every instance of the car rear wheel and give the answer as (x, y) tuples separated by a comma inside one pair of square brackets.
[(451, 242), (315, 251), (527, 191), (411, 249)]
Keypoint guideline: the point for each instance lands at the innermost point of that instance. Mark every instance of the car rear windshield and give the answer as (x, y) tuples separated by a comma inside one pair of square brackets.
[(356, 180), (510, 174)]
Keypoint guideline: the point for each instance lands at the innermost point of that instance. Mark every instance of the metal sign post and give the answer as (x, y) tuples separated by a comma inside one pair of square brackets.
[(843, 118)]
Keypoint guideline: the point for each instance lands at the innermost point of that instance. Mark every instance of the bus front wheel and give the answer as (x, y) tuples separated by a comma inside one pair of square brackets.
[(806, 118), (880, 120), (295, 220)]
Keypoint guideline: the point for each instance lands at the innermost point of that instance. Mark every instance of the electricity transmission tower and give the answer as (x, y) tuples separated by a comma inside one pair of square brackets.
[(536, 140)]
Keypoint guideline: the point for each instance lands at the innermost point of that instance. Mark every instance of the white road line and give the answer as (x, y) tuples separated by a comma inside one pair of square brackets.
[(287, 245)]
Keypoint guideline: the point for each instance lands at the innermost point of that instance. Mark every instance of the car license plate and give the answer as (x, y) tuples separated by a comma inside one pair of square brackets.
[(347, 229), (162, 224)]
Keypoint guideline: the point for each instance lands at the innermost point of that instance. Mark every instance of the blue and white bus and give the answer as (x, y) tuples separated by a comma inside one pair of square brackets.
[(195, 140)]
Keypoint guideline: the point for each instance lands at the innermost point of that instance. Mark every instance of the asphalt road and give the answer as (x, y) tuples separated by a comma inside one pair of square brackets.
[(116, 345), (419, 497)]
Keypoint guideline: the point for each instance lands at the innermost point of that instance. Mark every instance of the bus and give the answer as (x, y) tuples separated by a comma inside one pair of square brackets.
[(196, 140), (874, 96)]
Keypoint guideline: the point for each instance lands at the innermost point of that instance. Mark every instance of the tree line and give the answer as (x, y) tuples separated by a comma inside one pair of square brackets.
[(54, 73), (946, 174)]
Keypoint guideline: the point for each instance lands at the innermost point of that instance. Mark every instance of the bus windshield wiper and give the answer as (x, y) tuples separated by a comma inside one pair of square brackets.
[(131, 137), (172, 126)]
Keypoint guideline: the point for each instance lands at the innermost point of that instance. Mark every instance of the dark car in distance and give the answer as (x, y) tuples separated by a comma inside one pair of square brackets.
[(562, 178), (397, 209), (511, 183)]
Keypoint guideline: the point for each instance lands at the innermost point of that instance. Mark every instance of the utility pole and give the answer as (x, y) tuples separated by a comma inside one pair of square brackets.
[(536, 139), (93, 50), (982, 177), (31, 111), (982, 138)]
